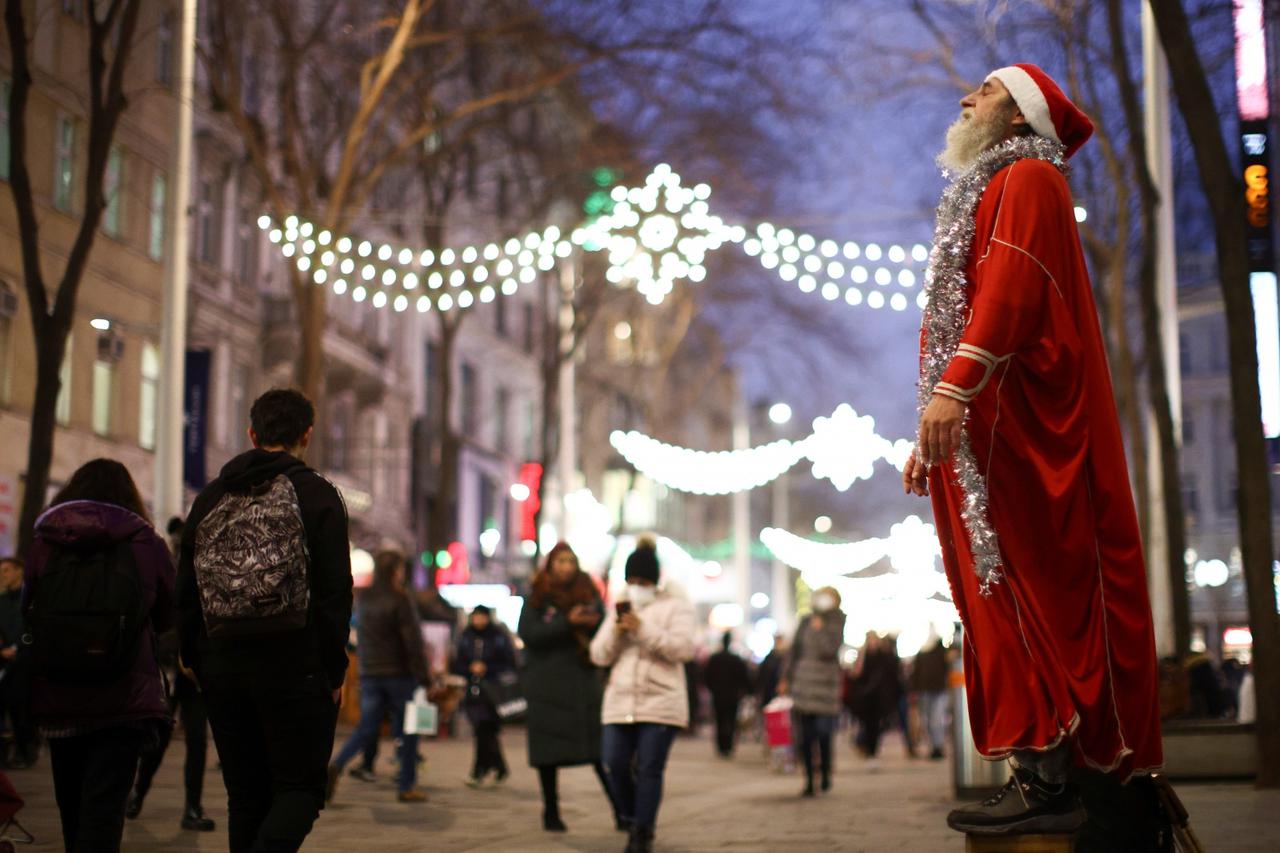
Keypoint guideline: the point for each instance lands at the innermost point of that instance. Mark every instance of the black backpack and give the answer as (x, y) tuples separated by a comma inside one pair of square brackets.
[(251, 562), (85, 623)]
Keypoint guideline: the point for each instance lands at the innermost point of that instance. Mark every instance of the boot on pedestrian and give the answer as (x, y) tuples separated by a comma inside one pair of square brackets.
[(640, 841), (193, 819)]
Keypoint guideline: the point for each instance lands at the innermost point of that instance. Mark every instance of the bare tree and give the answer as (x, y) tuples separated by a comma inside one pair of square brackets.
[(1225, 194), (111, 30)]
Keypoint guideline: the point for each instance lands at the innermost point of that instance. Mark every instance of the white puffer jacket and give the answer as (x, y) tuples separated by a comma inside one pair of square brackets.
[(647, 682)]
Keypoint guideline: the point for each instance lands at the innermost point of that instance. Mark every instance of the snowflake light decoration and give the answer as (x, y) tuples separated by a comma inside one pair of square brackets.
[(845, 447)]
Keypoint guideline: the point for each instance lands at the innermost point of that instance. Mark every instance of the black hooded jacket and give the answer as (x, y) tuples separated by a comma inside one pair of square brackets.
[(320, 647)]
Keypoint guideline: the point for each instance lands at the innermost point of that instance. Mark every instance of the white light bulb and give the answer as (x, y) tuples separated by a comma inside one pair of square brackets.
[(897, 254), (291, 223), (509, 287), (527, 275), (768, 260), (546, 263), (320, 276), (1081, 214), (275, 235), (873, 252), (786, 236), (435, 280), (812, 263), (344, 245), (368, 272), (858, 274), (406, 256), (304, 263), (512, 246), (853, 296), (883, 276), (480, 274), (287, 250), (401, 302), (358, 294), (791, 254), (491, 252), (424, 304), (328, 258), (388, 276), (906, 278), (427, 258), (898, 302), (364, 248), (829, 248), (324, 237), (851, 251), (875, 299), (787, 272), (469, 255), (264, 222), (807, 283), (806, 243), (457, 278), (340, 287), (446, 257), (831, 291), (379, 298), (445, 302), (487, 294), (307, 229), (465, 299), (384, 252), (920, 253), (410, 281)]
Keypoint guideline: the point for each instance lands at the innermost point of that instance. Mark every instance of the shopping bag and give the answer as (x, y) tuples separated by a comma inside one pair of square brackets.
[(421, 716), (777, 721), (505, 694)]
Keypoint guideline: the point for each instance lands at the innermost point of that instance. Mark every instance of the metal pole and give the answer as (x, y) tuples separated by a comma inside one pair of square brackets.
[(568, 402), (783, 609), (742, 513), (1156, 114), (169, 497)]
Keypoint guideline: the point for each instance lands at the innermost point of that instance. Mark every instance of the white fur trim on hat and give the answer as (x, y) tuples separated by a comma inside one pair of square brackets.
[(1027, 95)]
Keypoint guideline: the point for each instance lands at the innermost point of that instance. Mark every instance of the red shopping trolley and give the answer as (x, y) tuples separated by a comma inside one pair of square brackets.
[(777, 722), (11, 803)]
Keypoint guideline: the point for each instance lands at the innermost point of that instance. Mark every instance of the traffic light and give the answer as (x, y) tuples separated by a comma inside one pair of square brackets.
[(600, 183)]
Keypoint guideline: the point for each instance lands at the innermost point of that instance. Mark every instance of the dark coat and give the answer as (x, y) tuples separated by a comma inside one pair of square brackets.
[(139, 695), (320, 648), (493, 646), (929, 674), (389, 635), (563, 688), (727, 678)]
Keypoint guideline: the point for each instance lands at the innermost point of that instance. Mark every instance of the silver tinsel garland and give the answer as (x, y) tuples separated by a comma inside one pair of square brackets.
[(946, 315)]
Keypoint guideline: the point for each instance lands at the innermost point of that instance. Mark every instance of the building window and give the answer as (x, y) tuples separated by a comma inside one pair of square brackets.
[(500, 317), (64, 162), (1190, 495), (470, 400), (155, 238), (4, 129), (206, 224), (530, 328), (238, 405), (164, 50), (8, 310), (247, 247), (62, 411), (148, 396), (104, 372), (502, 402), (1184, 355), (432, 369), (338, 438), (1188, 425), (529, 427), (111, 191)]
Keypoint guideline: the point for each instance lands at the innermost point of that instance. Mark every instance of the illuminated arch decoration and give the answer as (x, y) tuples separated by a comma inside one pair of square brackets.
[(656, 235), (843, 448)]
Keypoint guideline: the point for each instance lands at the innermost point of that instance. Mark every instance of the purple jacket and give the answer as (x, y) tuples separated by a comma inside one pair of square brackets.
[(138, 695)]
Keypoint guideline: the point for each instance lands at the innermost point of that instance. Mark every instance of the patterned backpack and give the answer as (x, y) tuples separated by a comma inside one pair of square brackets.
[(251, 562)]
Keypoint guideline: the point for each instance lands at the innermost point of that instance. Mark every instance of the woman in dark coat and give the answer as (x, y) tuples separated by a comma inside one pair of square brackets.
[(96, 731), (562, 686)]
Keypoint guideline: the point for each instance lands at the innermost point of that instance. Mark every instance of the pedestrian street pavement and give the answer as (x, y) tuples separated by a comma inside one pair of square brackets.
[(711, 804)]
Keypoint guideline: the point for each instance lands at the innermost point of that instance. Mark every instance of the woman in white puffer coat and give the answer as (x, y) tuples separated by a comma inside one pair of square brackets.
[(646, 642)]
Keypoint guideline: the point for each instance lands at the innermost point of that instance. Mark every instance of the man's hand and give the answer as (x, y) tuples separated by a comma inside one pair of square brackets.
[(628, 623), (940, 429), (915, 479), (584, 616)]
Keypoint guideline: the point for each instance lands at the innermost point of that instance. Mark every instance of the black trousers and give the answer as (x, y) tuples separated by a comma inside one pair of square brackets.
[(189, 702), (91, 778), (274, 737), (726, 724), (15, 702), (548, 778), (488, 749)]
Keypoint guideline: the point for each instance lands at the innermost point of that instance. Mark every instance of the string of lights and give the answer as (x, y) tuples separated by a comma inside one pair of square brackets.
[(843, 448), (655, 235)]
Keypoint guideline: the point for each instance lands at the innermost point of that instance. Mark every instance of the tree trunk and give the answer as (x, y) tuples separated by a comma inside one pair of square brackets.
[(1225, 194), (442, 525), (1153, 340), (49, 352), (309, 370)]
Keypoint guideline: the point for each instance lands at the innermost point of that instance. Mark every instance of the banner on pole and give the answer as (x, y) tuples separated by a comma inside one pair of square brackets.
[(195, 418)]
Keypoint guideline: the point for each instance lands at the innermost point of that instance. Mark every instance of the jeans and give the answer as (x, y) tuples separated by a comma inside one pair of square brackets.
[(274, 735), (816, 730), (726, 724), (92, 774), (636, 757), (488, 749), (933, 710), (383, 698), (195, 719)]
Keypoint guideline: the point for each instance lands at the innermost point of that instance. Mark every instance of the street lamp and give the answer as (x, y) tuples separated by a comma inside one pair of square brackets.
[(780, 413)]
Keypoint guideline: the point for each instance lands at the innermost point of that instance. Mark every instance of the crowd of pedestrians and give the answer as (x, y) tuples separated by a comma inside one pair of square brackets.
[(240, 624)]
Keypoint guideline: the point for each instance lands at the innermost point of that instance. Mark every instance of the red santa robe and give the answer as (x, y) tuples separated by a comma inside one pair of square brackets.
[(1063, 645)]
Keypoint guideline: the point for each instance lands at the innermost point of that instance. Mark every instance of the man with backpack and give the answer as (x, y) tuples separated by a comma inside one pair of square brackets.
[(264, 604)]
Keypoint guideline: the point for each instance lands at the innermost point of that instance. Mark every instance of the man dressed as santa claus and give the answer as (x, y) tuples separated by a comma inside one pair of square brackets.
[(1019, 446)]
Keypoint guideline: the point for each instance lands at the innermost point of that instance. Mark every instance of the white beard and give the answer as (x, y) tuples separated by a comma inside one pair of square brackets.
[(968, 138)]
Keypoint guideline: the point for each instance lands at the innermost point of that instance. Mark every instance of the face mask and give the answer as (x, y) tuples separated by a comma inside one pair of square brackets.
[(824, 603), (641, 596)]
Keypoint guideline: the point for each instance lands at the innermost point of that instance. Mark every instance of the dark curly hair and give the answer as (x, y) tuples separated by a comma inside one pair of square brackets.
[(105, 481), (281, 417)]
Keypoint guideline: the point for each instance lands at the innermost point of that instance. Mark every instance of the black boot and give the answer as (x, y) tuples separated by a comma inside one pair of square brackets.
[(193, 818), (551, 821), (1026, 805), (808, 787), (641, 840)]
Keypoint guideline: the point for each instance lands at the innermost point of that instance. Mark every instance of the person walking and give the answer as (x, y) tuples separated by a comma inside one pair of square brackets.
[(185, 699), (563, 688), (875, 688), (264, 604), (645, 642), (393, 664), (1020, 447), (99, 585), (729, 681), (813, 680), (485, 656), (22, 740), (929, 683)]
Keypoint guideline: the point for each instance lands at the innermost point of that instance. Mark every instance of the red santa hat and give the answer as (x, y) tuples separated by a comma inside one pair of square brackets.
[(1049, 112)]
